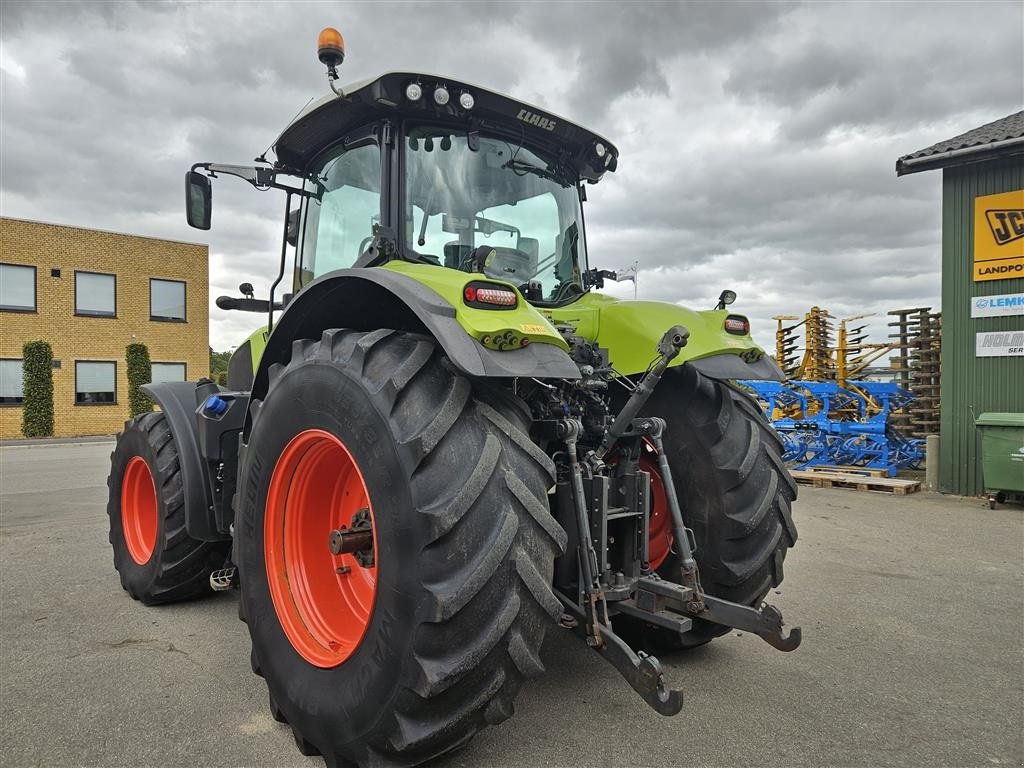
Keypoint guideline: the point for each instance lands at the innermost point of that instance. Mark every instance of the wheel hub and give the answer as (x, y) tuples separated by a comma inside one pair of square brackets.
[(355, 540)]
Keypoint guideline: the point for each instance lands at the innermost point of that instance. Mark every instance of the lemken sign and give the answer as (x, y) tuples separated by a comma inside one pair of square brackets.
[(999, 305)]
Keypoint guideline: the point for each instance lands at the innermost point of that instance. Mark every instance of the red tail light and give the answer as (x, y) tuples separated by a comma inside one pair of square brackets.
[(737, 324), (489, 296)]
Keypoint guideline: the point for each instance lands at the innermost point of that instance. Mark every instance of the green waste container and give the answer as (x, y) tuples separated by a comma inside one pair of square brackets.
[(1002, 454)]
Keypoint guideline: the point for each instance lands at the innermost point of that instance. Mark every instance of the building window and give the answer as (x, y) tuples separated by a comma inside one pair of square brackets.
[(95, 294), (95, 383), (168, 372), (17, 288), (166, 300), (10, 382)]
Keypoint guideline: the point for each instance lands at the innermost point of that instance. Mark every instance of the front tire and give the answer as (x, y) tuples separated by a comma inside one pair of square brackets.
[(157, 560), (464, 547)]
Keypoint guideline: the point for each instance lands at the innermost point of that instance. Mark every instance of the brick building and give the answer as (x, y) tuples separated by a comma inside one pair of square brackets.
[(89, 294)]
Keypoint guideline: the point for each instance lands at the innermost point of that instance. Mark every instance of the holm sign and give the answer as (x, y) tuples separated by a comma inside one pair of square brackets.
[(999, 344)]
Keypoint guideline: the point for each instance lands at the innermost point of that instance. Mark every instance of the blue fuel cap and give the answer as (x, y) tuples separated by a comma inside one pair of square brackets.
[(215, 406)]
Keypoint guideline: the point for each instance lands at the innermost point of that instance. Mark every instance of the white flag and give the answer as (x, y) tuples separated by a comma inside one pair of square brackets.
[(626, 273)]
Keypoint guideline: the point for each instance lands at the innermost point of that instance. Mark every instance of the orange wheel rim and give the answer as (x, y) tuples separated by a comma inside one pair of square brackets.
[(139, 510), (659, 531), (323, 601)]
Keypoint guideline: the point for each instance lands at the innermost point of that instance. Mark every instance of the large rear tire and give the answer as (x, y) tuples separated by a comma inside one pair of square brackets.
[(734, 490), (451, 611), (156, 558)]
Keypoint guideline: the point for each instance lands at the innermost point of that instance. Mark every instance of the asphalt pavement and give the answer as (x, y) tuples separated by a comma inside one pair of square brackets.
[(912, 609)]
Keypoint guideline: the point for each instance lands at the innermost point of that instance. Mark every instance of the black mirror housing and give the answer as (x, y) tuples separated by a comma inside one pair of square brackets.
[(292, 230), (198, 200)]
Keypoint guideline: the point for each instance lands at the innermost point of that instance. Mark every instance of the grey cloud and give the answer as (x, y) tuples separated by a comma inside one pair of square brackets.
[(795, 75), (612, 51), (886, 66)]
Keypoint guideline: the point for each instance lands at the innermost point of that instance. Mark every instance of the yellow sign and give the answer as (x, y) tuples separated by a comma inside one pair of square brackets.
[(533, 329), (999, 236)]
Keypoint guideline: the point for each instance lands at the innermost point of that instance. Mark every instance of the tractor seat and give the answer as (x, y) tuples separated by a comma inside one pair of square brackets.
[(512, 265), (515, 265)]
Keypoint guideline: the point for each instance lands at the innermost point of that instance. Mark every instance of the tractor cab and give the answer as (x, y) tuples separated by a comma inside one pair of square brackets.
[(463, 178)]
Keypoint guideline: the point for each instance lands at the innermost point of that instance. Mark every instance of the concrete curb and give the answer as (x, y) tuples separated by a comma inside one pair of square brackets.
[(29, 441)]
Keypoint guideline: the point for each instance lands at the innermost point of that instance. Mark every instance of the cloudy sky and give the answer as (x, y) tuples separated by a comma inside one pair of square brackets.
[(757, 140)]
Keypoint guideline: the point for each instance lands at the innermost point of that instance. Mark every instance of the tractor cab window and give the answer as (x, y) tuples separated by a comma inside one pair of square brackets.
[(499, 195), (339, 216)]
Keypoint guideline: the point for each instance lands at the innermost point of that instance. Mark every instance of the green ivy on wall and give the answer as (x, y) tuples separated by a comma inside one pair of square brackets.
[(139, 372), (37, 385)]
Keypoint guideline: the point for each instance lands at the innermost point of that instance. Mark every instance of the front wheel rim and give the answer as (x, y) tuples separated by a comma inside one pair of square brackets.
[(139, 510), (324, 602)]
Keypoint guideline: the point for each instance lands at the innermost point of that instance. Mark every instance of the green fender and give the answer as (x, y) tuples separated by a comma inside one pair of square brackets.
[(630, 331)]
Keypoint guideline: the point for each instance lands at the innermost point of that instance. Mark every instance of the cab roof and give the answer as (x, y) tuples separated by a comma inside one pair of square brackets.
[(323, 122)]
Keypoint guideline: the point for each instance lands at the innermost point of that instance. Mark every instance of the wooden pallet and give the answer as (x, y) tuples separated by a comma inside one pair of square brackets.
[(822, 479), (847, 470)]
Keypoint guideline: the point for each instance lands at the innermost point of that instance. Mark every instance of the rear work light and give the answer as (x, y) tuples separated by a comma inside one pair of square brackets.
[(489, 296), (737, 324)]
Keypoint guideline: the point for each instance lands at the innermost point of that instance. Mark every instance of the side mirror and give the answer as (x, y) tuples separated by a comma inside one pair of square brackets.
[(198, 199), (292, 230)]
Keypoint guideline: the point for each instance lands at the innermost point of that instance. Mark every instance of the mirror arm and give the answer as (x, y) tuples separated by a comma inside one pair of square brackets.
[(284, 257), (259, 177)]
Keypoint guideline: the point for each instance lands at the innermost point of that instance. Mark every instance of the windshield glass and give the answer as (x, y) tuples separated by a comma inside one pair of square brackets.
[(498, 195), (338, 218)]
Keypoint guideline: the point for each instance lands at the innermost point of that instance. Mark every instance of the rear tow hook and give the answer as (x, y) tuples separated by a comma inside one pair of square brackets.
[(641, 671), (766, 621)]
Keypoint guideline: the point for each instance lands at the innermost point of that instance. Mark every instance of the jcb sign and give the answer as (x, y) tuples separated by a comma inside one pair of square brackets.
[(999, 236)]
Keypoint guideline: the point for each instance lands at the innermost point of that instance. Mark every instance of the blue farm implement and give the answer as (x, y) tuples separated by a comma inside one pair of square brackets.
[(822, 423)]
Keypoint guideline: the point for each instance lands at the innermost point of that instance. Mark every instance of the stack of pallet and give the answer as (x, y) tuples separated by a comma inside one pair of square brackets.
[(917, 340)]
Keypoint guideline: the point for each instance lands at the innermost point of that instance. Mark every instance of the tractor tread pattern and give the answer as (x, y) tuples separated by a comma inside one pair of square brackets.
[(741, 558), (759, 506)]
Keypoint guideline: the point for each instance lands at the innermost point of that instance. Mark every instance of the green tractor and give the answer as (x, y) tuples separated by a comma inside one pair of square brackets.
[(444, 443)]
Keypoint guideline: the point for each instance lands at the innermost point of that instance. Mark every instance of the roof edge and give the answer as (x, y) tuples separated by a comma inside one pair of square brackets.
[(98, 230), (963, 155)]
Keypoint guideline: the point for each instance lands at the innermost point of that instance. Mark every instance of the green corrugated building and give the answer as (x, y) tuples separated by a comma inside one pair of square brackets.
[(982, 359)]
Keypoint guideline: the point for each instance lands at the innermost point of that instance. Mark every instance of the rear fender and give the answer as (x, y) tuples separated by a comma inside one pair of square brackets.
[(178, 400), (630, 332), (368, 299), (729, 366)]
